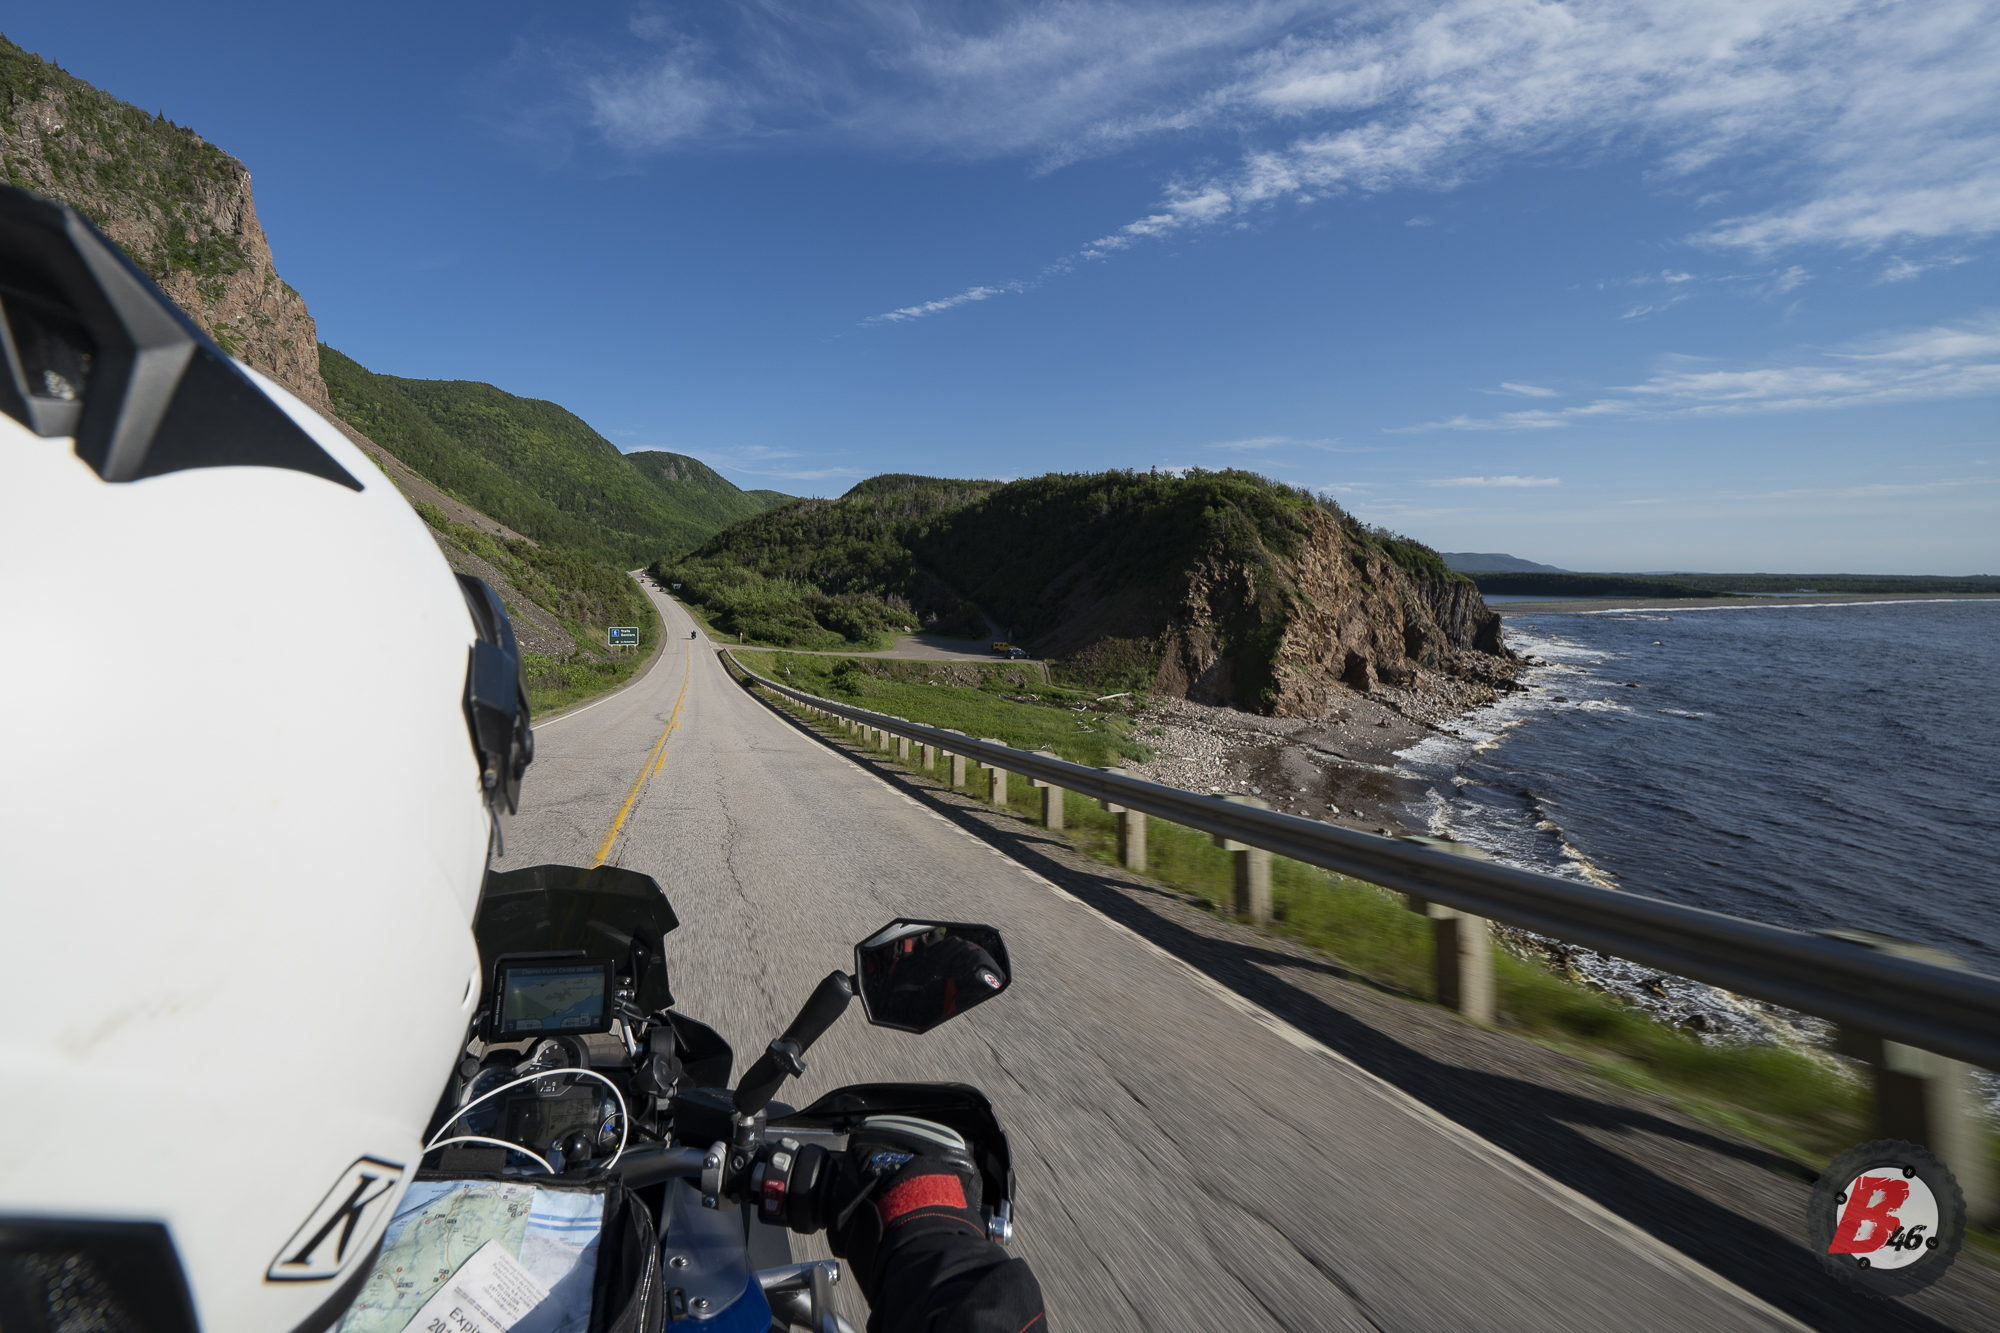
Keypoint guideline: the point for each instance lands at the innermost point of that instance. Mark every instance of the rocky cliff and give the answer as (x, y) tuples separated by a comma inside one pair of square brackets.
[(1335, 615), (179, 206)]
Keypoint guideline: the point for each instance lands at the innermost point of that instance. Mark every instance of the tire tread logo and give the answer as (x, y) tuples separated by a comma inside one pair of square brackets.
[(1886, 1217)]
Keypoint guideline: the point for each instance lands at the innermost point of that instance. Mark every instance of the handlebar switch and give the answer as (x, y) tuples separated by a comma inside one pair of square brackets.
[(712, 1167), (772, 1179)]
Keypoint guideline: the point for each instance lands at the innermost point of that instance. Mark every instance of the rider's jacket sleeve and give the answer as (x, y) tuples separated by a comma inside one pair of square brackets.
[(950, 1282)]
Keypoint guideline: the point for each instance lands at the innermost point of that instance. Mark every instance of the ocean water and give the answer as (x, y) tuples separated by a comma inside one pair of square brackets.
[(1814, 766)]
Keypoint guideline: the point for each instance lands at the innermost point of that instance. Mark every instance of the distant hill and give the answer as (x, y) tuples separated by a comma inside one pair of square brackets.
[(1222, 587), (1555, 587), (1840, 583), (1469, 562), (537, 467), (1558, 586)]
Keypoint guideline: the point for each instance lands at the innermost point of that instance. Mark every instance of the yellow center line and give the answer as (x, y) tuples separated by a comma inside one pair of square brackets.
[(655, 761)]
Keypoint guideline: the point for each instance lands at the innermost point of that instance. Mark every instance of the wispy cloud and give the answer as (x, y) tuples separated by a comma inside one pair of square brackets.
[(1778, 284), (1945, 361), (761, 460), (967, 296), (1523, 390), (1863, 124), (1507, 481), (1645, 308), (1900, 269)]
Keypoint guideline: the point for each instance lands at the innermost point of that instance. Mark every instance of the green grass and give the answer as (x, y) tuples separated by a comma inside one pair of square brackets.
[(554, 684), (1802, 1106), (902, 689)]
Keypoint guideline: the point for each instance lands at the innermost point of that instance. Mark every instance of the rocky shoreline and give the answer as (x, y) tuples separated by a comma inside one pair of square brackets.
[(1340, 768), (1347, 769)]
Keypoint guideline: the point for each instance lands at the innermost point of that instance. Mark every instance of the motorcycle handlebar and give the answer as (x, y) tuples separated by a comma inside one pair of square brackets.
[(650, 1163)]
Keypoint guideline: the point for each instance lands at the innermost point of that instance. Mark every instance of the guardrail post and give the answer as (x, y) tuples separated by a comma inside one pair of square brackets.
[(957, 770), (1132, 840), (903, 748), (998, 775), (1253, 870), (882, 739), (1052, 804), (930, 757), (1922, 1097), (1131, 832), (1461, 946)]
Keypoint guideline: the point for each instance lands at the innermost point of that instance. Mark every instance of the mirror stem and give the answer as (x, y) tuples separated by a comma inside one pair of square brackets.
[(785, 1058)]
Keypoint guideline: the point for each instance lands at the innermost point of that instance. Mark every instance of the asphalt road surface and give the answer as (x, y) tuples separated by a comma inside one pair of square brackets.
[(1185, 1161)]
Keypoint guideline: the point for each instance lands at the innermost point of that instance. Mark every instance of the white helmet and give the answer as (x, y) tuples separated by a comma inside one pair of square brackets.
[(258, 738)]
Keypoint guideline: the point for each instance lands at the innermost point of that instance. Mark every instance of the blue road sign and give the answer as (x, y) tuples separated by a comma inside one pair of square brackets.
[(622, 636)]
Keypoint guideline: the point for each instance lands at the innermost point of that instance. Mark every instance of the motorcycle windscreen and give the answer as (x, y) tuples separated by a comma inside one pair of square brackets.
[(606, 912)]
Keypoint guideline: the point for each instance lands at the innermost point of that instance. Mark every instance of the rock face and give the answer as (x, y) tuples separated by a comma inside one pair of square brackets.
[(1352, 620), (180, 207)]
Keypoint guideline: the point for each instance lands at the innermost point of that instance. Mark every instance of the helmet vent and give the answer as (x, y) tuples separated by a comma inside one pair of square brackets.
[(92, 349)]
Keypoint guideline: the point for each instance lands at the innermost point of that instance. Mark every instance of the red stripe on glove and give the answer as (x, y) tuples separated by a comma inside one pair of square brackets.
[(922, 1192)]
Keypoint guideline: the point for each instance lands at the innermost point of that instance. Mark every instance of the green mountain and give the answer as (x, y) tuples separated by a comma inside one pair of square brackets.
[(820, 573), (535, 466), (1224, 587), (693, 483)]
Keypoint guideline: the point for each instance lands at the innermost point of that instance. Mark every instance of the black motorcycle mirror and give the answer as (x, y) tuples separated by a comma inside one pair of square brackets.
[(913, 975)]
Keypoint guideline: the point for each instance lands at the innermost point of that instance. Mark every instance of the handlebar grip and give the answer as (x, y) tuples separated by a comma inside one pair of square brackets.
[(827, 1003), (785, 1057)]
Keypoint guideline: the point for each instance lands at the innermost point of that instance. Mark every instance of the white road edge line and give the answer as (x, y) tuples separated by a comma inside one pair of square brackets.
[(657, 657), (1578, 1204)]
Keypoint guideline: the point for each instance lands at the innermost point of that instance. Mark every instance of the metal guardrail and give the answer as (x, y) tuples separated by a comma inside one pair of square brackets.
[(1947, 1010)]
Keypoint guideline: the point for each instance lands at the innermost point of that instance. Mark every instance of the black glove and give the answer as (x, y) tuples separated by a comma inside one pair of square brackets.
[(898, 1195), (909, 1227)]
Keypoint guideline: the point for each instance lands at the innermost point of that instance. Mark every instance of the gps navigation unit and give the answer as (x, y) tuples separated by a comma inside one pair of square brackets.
[(541, 996)]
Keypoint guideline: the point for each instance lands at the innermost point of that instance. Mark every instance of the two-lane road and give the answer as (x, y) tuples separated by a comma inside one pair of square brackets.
[(1184, 1163)]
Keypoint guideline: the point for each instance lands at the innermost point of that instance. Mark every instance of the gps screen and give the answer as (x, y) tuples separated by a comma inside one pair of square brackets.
[(553, 997)]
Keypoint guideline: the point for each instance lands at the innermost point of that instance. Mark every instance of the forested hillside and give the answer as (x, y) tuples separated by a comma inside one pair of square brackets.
[(535, 466), (820, 573), (1221, 586)]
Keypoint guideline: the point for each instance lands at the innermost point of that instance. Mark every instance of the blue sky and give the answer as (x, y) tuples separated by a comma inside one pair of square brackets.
[(1708, 284)]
